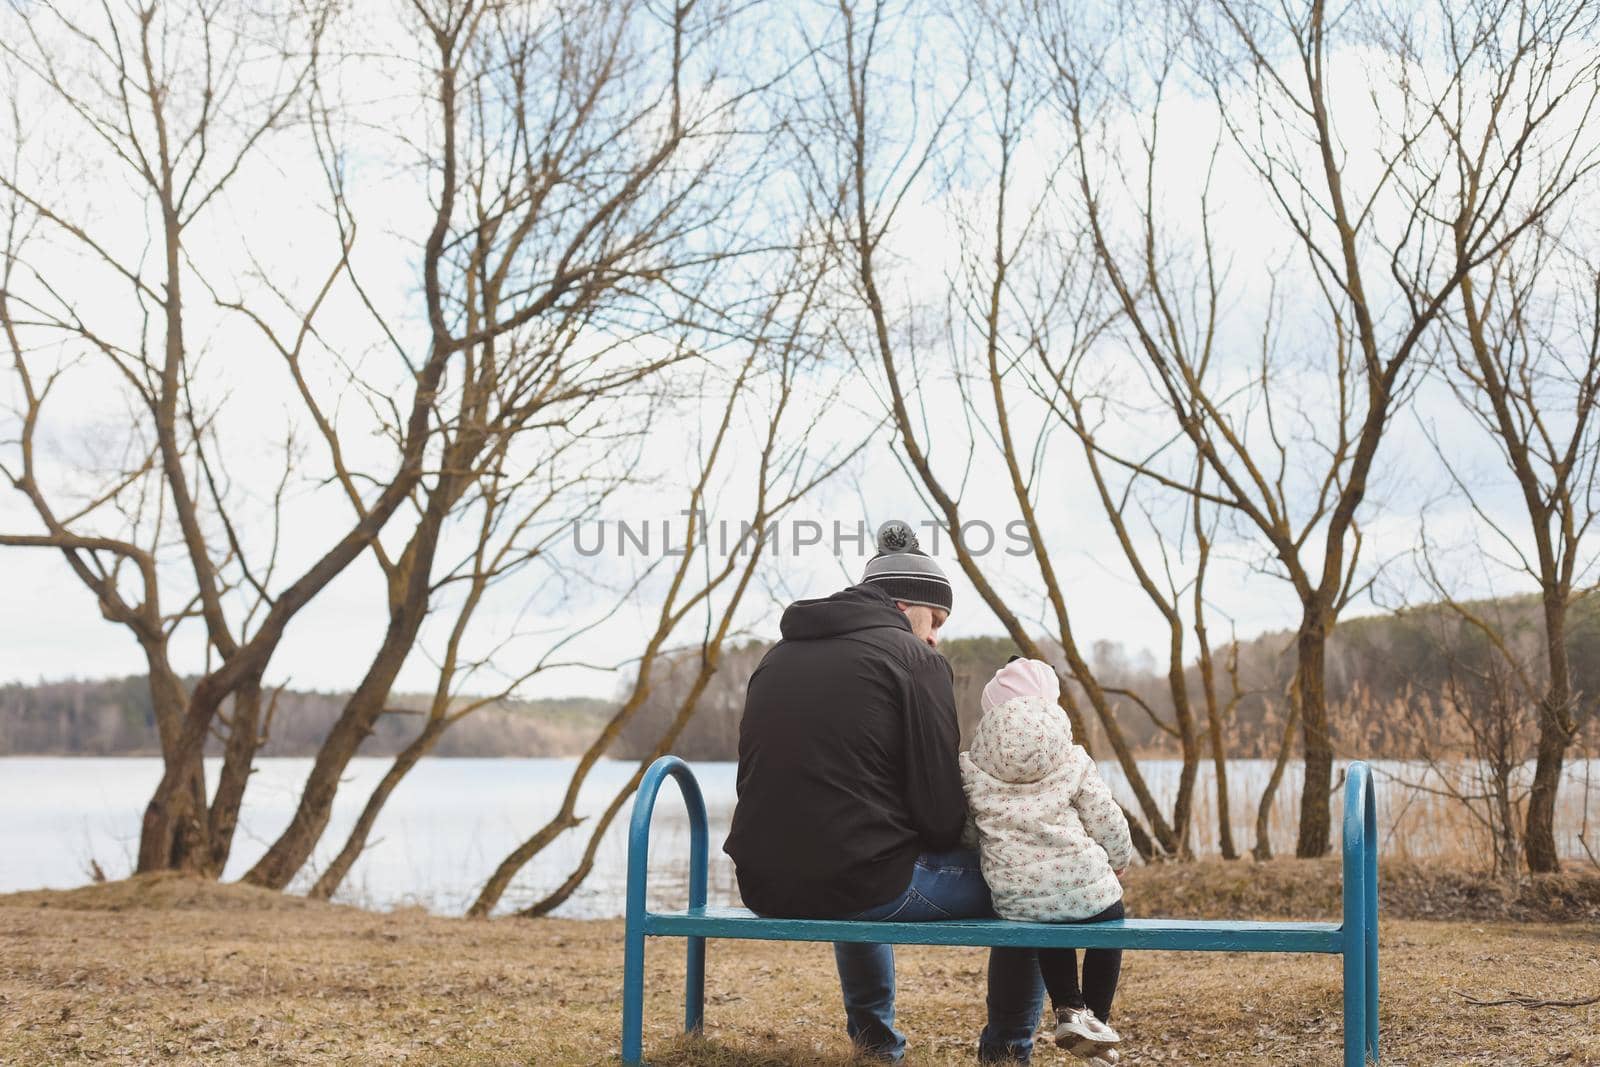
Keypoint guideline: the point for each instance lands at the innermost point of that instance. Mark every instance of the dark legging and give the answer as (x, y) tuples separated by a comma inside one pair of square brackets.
[(1101, 969)]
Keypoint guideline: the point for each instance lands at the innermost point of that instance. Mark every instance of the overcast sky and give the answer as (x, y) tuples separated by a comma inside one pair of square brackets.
[(50, 627)]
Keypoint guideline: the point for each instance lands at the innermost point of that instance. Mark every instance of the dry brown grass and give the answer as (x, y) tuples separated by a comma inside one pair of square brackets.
[(1292, 888), (171, 971)]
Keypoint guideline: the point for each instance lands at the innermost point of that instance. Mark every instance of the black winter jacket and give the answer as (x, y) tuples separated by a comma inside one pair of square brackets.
[(847, 760)]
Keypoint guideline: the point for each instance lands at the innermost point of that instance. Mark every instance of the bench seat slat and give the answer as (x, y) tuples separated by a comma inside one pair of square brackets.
[(1185, 935)]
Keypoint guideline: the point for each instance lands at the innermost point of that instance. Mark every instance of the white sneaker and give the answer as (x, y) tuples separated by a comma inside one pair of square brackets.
[(1081, 1033), (1106, 1058)]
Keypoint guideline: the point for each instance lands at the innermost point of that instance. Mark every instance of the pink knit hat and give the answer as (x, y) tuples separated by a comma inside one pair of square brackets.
[(1021, 678)]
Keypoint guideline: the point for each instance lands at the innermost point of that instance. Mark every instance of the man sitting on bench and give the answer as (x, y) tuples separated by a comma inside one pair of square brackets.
[(850, 803)]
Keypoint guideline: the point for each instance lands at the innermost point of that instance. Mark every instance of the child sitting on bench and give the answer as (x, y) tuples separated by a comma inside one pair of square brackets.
[(1053, 842)]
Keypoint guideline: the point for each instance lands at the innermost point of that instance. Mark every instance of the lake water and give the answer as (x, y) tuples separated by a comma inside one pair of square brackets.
[(452, 820)]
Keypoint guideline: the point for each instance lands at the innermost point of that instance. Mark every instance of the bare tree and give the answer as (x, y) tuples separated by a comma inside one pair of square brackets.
[(582, 190), (1521, 351), (1024, 311), (1218, 715), (1474, 733), (786, 468), (515, 530), (1386, 236), (581, 227), (177, 103), (709, 653)]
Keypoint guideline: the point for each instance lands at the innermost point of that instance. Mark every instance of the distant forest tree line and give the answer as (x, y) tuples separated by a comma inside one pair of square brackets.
[(113, 717), (1385, 673), (1390, 677)]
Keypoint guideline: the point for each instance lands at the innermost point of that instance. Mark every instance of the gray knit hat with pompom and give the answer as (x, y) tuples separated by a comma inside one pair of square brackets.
[(905, 572)]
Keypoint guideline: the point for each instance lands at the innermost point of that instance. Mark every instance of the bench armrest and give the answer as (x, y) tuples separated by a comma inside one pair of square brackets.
[(644, 803), (1360, 847)]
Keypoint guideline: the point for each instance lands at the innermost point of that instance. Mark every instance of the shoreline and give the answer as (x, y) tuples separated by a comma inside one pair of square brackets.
[(1210, 887)]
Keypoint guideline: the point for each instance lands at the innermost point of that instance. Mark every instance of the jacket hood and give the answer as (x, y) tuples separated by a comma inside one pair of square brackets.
[(1022, 740), (859, 607), (1021, 678)]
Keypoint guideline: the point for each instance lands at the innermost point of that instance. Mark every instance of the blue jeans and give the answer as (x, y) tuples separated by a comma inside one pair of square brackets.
[(944, 885)]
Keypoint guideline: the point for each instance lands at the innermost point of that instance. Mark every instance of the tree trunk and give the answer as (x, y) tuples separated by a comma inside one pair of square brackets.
[(1263, 849), (686, 710), (1213, 717), (1555, 733), (330, 880), (1506, 864), (169, 701), (243, 739), (1219, 749), (408, 606), (1219, 759), (1159, 828), (409, 591), (1142, 843), (565, 817), (283, 860), (173, 834), (1208, 674), (1178, 683), (167, 696), (500, 880), (1540, 839), (1313, 708)]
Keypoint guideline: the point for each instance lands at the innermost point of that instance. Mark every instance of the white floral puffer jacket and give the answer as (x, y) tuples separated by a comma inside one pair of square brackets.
[(1049, 832)]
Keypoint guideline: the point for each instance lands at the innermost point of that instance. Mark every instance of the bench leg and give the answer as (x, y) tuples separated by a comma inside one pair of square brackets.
[(694, 988), (633, 996), (1372, 994), (1355, 1005), (1371, 902)]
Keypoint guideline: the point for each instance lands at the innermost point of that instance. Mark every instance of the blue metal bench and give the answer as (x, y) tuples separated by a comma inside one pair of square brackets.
[(1356, 939)]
